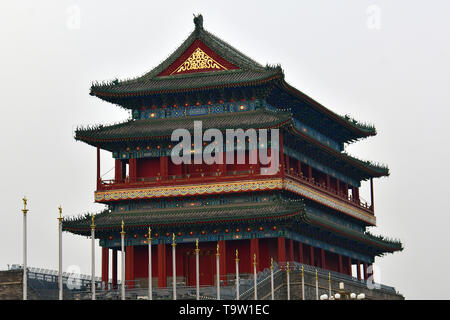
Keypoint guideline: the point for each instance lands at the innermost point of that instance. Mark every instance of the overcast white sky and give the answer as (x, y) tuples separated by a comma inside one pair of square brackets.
[(396, 77)]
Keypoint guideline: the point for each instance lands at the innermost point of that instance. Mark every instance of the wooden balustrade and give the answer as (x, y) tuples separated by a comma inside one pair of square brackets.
[(219, 176)]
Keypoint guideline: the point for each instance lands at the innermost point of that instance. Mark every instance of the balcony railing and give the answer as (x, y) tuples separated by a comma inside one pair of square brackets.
[(330, 191), (189, 178), (205, 177)]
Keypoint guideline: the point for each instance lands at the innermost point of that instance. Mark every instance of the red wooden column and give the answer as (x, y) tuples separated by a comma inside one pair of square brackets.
[(133, 170), (340, 270), (291, 250), (98, 169), (300, 252), (349, 266), (355, 192), (163, 167), (365, 271), (338, 186), (223, 261), (299, 167), (118, 170), (328, 181), (311, 255), (323, 264), (281, 249), (358, 270), (162, 279), (310, 175), (287, 165), (129, 266), (346, 190), (114, 268), (105, 266)]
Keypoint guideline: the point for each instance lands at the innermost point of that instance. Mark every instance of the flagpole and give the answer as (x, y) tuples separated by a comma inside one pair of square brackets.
[(93, 258), (317, 286), (303, 284), (60, 282), (288, 270), (197, 271), (237, 274), (255, 288), (24, 282), (122, 238), (174, 268), (218, 272), (271, 279), (150, 289)]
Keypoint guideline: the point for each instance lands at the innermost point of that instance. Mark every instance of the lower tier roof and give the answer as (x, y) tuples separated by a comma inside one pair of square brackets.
[(289, 213)]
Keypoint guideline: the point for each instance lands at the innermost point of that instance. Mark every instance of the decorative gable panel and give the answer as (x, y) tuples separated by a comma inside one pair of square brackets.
[(198, 58)]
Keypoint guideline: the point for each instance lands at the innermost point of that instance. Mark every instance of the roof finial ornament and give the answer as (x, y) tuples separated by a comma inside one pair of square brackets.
[(198, 21)]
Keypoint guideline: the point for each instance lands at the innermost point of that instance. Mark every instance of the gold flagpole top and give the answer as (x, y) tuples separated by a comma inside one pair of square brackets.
[(24, 210), (122, 232), (254, 259), (237, 256), (303, 271), (197, 250), (93, 222), (288, 269), (149, 235), (316, 275), (217, 249), (173, 240), (329, 276), (60, 213), (271, 263)]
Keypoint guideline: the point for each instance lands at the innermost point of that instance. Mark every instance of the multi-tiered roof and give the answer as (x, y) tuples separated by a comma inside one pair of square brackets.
[(205, 70)]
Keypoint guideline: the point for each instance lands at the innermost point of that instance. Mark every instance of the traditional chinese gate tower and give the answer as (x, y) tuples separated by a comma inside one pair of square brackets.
[(310, 211)]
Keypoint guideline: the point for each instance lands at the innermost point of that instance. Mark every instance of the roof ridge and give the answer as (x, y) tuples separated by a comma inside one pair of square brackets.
[(221, 47), (178, 119)]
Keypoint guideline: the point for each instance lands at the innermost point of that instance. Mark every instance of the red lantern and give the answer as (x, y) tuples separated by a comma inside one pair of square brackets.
[(261, 228), (203, 232), (249, 229), (238, 230), (274, 227), (226, 230)]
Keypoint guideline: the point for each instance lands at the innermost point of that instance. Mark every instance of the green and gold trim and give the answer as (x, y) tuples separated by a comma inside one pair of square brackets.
[(241, 186)]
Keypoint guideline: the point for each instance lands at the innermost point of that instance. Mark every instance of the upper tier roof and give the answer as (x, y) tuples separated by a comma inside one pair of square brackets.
[(202, 60), (205, 62)]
